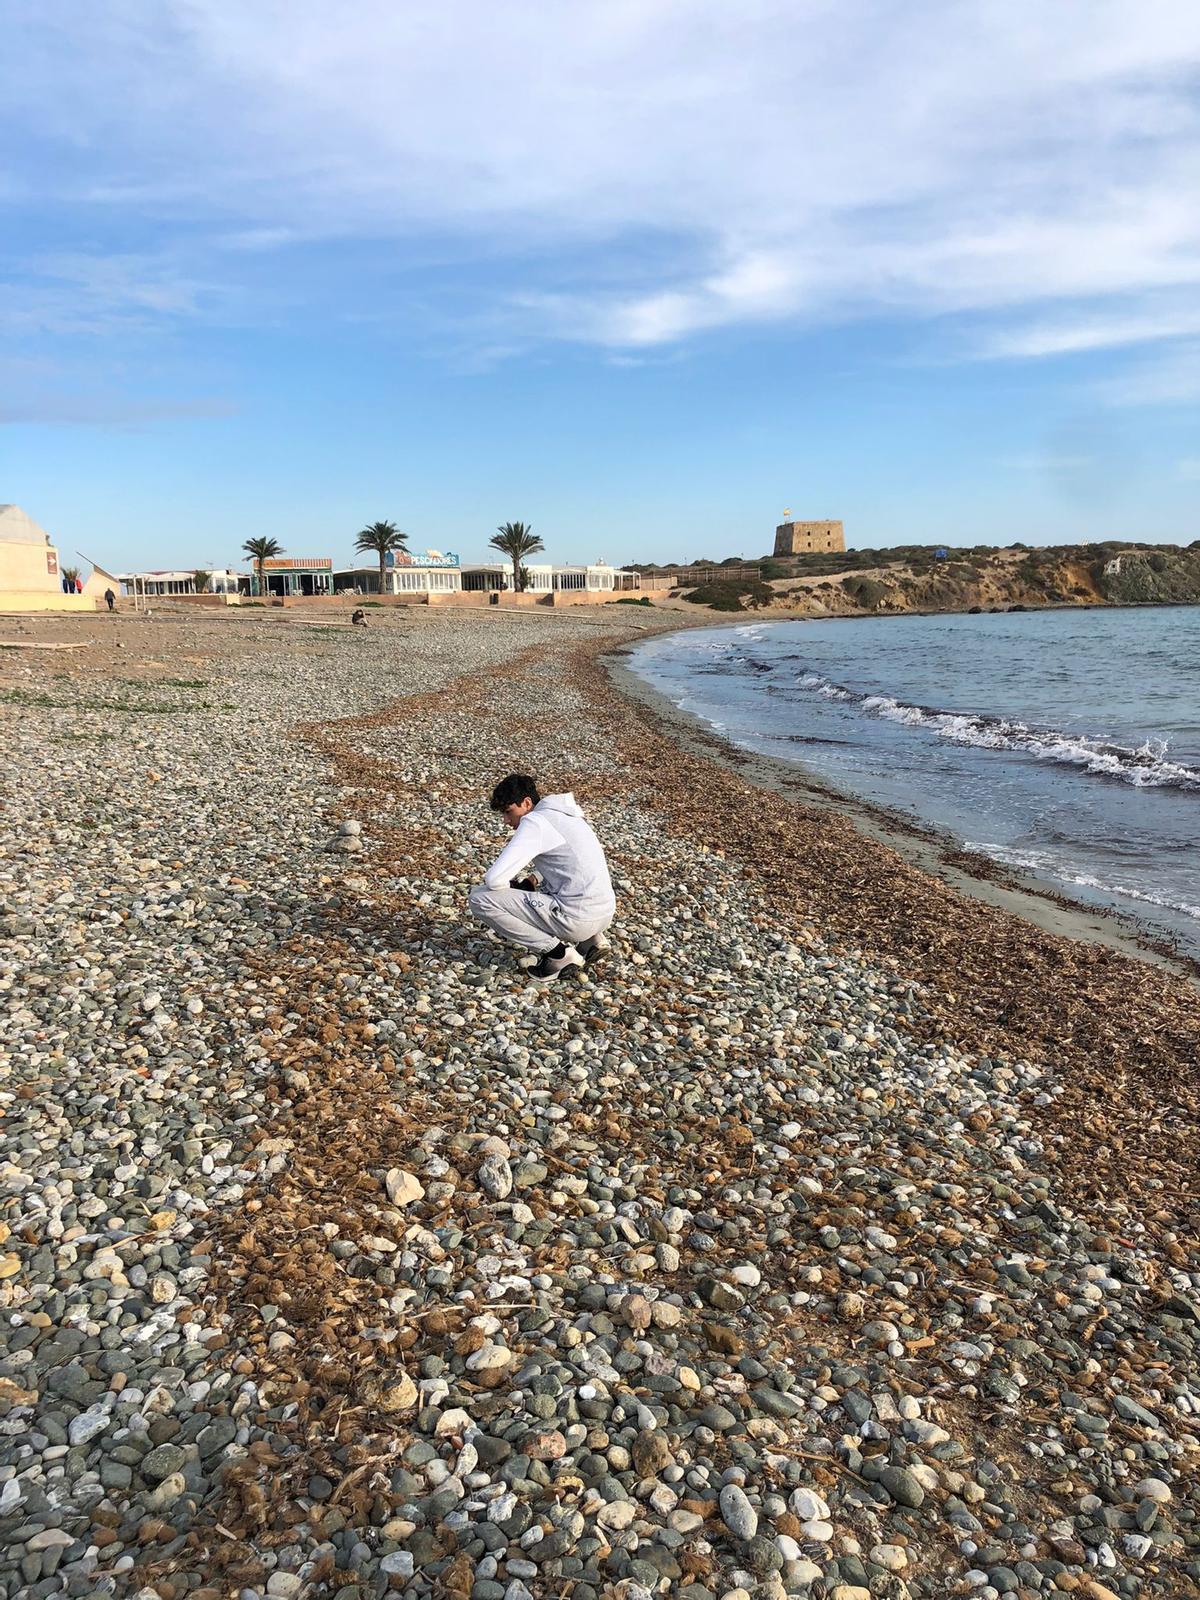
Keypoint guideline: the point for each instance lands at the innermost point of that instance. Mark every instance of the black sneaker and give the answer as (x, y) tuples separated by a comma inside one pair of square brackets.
[(555, 962)]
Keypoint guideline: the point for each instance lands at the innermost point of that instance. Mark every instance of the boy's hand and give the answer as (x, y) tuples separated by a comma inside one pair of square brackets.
[(524, 883)]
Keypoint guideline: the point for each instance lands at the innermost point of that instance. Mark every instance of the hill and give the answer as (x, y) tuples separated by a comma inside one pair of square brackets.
[(937, 578)]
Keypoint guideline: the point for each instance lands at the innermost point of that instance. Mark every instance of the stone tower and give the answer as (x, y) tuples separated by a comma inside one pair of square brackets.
[(803, 538)]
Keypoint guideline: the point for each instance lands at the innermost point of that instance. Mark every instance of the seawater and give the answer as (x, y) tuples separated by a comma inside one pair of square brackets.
[(1066, 743)]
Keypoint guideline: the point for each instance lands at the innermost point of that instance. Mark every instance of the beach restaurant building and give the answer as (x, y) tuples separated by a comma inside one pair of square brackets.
[(598, 578), (160, 584), (428, 574), (543, 578), (294, 575)]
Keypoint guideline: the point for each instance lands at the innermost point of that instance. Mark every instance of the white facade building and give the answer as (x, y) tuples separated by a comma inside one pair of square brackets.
[(158, 583), (479, 576), (164, 583), (421, 577), (596, 578)]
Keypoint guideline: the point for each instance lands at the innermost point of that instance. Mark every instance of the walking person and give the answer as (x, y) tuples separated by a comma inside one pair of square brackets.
[(110, 599), (563, 920)]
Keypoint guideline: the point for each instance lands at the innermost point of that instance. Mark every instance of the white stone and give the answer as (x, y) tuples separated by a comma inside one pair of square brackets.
[(403, 1187), (740, 1516), (453, 1421), (88, 1424), (495, 1177), (398, 1565), (1153, 1489), (284, 1584), (617, 1514), (808, 1505), (49, 1539), (892, 1557), (489, 1358)]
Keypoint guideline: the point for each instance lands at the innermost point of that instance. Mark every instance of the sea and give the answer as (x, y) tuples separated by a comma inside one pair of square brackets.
[(1065, 743)]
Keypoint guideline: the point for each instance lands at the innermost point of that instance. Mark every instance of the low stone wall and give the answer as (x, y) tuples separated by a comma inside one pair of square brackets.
[(345, 599), (477, 599)]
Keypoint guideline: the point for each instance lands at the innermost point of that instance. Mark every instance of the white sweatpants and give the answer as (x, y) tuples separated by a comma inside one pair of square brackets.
[(525, 917)]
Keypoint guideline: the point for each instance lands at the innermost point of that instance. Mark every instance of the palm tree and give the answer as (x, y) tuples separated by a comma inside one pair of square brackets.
[(516, 540), (261, 550), (382, 539), (201, 579)]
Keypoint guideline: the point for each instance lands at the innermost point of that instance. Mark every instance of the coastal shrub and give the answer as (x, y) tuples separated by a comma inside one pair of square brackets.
[(865, 592), (1157, 576), (732, 596), (645, 600)]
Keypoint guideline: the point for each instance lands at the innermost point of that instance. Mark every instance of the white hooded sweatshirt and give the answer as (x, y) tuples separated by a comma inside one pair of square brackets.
[(555, 839)]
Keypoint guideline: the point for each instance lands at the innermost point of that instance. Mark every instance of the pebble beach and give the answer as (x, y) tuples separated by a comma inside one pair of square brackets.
[(835, 1236)]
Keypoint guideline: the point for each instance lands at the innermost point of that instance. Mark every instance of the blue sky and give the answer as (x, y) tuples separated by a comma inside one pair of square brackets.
[(641, 273)]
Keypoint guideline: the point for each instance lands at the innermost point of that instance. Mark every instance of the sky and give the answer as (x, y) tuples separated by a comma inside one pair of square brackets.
[(640, 273)]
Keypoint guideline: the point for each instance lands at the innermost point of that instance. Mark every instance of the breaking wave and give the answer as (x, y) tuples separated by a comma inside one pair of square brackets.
[(1048, 865), (1145, 767)]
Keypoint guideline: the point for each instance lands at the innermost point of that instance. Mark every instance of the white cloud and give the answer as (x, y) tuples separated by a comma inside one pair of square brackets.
[(76, 293), (1075, 335), (638, 171), (1171, 377)]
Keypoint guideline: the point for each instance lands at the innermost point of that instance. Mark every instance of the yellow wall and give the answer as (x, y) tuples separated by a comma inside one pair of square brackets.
[(23, 567), (48, 600), (27, 584)]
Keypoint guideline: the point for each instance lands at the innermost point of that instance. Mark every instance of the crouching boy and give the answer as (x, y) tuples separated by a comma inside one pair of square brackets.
[(562, 919)]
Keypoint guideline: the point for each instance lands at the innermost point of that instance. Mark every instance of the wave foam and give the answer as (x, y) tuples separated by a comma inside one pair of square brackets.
[(1144, 767), (1047, 865)]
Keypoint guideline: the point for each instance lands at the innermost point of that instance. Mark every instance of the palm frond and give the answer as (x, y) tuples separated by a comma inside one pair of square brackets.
[(262, 549), (381, 539)]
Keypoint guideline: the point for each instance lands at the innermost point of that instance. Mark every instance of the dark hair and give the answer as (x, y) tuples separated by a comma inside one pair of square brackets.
[(512, 790)]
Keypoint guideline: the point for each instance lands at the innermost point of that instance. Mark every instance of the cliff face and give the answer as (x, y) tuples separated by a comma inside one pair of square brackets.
[(998, 580), (1153, 576)]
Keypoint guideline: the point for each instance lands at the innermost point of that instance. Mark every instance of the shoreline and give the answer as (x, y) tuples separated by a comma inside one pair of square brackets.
[(380, 1267), (934, 850)]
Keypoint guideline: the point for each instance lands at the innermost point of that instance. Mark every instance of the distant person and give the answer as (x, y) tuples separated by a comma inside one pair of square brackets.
[(359, 618), (66, 585), (563, 920), (78, 585), (110, 599)]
